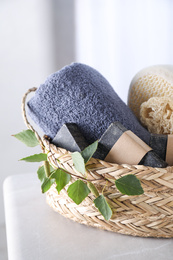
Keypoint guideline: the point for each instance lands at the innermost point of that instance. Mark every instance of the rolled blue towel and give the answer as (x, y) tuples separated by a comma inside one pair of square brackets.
[(80, 94)]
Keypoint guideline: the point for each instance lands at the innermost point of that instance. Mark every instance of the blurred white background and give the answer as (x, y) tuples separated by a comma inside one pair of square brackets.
[(38, 37)]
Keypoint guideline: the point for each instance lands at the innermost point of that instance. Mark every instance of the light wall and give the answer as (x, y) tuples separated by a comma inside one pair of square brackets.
[(119, 38), (37, 38)]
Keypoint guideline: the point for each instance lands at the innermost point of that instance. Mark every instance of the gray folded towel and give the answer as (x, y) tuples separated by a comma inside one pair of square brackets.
[(80, 94)]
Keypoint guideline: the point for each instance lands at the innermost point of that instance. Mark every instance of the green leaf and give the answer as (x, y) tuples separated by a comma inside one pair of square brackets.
[(93, 189), (88, 152), (78, 162), (27, 137), (78, 191), (104, 208), (51, 168), (47, 184), (62, 179), (35, 158), (41, 174), (129, 185), (45, 181)]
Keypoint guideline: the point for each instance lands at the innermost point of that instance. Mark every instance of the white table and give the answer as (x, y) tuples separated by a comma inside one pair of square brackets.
[(35, 231)]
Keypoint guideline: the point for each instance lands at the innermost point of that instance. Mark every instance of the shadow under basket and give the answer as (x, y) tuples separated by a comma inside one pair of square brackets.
[(146, 215)]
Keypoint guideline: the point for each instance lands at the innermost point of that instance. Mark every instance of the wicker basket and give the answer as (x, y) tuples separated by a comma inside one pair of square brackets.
[(147, 215)]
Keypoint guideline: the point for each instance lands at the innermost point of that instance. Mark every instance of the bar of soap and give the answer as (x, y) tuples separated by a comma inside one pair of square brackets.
[(163, 146), (158, 143), (152, 159), (70, 138), (108, 139), (119, 145)]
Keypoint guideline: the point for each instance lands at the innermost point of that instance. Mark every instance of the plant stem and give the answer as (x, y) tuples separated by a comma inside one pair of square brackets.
[(80, 177), (93, 189), (105, 186), (47, 168)]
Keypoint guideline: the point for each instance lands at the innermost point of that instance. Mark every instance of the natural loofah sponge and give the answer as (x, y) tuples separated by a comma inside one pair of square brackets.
[(157, 115), (153, 81)]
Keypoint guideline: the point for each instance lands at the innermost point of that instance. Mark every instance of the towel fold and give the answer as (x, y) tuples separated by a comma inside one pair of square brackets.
[(80, 94)]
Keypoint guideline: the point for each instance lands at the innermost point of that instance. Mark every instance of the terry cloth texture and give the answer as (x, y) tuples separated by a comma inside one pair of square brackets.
[(80, 94)]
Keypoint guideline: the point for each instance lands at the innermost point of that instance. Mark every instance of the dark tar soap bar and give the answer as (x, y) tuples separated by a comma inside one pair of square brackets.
[(70, 138), (152, 159), (127, 151), (158, 143), (108, 139)]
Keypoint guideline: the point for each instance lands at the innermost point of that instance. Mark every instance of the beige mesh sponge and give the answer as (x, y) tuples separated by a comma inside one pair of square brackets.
[(157, 115), (155, 81)]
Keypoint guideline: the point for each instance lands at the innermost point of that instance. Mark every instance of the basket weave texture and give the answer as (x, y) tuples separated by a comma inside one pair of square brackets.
[(147, 215)]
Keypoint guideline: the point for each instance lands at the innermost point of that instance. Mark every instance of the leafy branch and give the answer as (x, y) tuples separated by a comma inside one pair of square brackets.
[(81, 188)]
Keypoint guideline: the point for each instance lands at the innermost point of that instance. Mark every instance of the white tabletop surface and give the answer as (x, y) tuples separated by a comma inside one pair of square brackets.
[(36, 232)]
